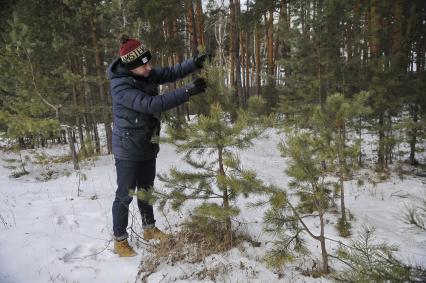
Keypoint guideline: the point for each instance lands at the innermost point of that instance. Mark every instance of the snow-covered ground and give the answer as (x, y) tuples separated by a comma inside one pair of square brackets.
[(49, 233)]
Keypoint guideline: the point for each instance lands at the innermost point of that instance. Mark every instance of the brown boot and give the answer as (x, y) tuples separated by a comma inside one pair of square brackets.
[(123, 249), (153, 234)]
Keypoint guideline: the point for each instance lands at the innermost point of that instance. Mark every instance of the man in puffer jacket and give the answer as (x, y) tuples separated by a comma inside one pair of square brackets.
[(136, 106)]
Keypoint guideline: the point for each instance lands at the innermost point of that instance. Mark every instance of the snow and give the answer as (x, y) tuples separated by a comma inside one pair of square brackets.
[(50, 234)]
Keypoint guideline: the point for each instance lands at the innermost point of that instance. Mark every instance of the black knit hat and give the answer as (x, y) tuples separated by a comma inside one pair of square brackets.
[(133, 53)]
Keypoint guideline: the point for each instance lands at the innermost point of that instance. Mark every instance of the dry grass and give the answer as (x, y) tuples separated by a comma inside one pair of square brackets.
[(199, 238)]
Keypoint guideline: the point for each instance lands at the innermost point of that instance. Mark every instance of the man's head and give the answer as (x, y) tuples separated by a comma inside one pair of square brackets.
[(134, 56)]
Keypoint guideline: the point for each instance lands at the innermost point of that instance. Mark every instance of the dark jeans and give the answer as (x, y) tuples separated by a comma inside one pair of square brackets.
[(131, 175)]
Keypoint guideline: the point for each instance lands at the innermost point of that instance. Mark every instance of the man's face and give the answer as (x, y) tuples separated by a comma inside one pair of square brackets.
[(143, 70)]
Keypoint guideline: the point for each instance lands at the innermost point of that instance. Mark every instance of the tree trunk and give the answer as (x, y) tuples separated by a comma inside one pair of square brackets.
[(100, 71), (87, 104), (87, 129), (320, 100), (374, 26), (388, 146), (319, 202), (257, 58), (324, 253), (397, 38), (78, 112), (374, 51), (232, 46), (243, 68), (199, 22), (413, 135), (237, 52), (361, 140), (270, 46), (282, 48), (81, 137), (96, 136), (341, 162), (219, 32), (72, 149), (180, 110), (191, 28), (225, 196), (247, 67), (64, 137), (381, 151)]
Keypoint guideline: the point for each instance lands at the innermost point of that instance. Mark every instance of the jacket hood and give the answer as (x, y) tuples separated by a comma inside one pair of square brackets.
[(115, 70)]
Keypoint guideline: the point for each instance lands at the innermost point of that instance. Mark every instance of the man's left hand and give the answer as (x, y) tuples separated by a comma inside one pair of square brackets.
[(200, 58)]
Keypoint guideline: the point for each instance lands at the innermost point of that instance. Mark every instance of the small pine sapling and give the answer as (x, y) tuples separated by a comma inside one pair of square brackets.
[(367, 261), (287, 220), (210, 146), (17, 165), (332, 126)]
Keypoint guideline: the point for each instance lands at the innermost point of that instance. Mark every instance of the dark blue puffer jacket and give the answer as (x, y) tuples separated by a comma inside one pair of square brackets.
[(136, 106)]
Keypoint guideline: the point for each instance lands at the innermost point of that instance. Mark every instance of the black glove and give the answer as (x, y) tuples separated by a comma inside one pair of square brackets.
[(197, 86), (200, 58)]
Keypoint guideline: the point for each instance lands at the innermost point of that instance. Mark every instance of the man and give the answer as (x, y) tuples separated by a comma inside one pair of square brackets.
[(136, 109)]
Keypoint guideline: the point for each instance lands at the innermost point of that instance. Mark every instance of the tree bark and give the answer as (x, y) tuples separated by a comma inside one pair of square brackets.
[(87, 104), (247, 67), (381, 151), (324, 253), (225, 196), (374, 26), (199, 20), (374, 52), (234, 5), (191, 27), (232, 43), (341, 162), (270, 46), (243, 67), (237, 52), (72, 149), (100, 74), (413, 135), (320, 206), (96, 136), (257, 58)]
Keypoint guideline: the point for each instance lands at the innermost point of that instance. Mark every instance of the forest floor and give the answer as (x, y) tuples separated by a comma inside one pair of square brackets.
[(56, 226)]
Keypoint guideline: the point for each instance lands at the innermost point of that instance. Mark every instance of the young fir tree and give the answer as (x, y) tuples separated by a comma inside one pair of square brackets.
[(333, 124), (27, 84), (210, 146), (313, 197), (17, 165), (314, 155), (415, 128), (415, 214), (368, 261)]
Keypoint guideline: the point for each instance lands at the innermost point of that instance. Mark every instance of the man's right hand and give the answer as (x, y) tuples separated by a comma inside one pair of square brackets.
[(197, 86)]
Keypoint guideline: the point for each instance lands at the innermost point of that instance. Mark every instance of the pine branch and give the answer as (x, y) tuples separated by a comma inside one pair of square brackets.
[(301, 221), (183, 187), (57, 107)]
